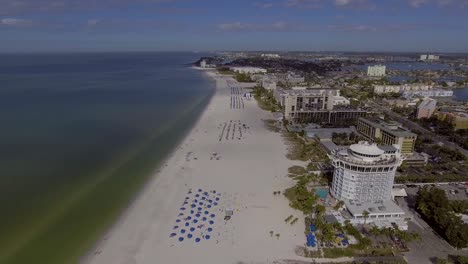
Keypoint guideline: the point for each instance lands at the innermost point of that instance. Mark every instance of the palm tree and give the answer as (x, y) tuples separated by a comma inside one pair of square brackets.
[(366, 215)]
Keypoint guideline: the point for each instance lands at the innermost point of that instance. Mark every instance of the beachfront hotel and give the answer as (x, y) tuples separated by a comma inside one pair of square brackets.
[(387, 133), (376, 70), (363, 179)]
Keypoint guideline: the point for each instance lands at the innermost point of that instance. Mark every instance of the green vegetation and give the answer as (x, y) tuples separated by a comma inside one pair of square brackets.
[(300, 198), (394, 232), (445, 128), (225, 71), (344, 139), (300, 149), (446, 165), (435, 208), (265, 99), (243, 77)]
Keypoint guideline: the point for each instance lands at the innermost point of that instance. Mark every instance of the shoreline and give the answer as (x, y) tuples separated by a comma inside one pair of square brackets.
[(151, 178), (231, 152)]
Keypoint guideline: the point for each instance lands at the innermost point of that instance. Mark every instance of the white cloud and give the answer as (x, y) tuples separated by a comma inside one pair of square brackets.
[(418, 3), (355, 4), (279, 26), (15, 22)]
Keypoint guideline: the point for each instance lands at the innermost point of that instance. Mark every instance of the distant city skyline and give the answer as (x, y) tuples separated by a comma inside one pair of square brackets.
[(208, 25)]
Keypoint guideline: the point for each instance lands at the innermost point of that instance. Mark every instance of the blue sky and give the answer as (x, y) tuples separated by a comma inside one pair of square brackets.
[(172, 25)]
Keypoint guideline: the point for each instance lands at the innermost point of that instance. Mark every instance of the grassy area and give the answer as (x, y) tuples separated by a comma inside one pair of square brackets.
[(300, 198), (299, 149), (265, 99)]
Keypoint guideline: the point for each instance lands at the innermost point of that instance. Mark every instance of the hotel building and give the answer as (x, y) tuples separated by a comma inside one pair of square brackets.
[(387, 134), (363, 179)]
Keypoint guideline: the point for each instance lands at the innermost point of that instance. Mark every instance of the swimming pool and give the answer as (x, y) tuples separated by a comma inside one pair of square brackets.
[(321, 192)]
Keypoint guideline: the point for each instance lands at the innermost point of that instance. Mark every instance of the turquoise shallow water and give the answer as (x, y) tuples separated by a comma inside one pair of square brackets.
[(79, 135)]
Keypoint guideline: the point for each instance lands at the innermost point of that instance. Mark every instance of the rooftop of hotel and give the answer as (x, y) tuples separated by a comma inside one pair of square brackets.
[(393, 128), (428, 103), (367, 154), (374, 208)]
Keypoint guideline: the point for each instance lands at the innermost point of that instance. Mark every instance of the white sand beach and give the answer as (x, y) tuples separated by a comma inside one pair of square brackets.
[(249, 165)]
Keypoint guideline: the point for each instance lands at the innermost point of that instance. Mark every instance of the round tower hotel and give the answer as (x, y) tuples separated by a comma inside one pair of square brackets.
[(365, 172)]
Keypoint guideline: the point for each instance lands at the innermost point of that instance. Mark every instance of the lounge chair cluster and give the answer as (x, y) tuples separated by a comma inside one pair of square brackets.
[(196, 217), (232, 130)]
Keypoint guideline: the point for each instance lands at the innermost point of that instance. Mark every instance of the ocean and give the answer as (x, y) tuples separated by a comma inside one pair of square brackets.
[(80, 134)]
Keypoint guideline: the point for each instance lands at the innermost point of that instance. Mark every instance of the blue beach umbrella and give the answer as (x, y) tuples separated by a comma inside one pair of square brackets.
[(191, 211), (199, 190), (207, 237), (209, 206), (195, 221), (211, 222), (204, 218), (192, 229), (197, 195), (197, 215), (177, 221), (172, 235), (182, 208), (215, 203), (189, 235), (182, 231), (189, 217), (206, 212), (212, 215), (210, 229), (197, 239), (175, 227), (187, 224), (181, 239), (203, 198)]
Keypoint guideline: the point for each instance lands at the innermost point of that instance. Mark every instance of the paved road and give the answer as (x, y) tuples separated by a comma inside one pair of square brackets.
[(416, 127), (431, 246)]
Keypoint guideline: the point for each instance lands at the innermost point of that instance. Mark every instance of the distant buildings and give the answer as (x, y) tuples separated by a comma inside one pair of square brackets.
[(428, 93), (387, 134), (430, 57), (305, 100), (426, 108), (314, 105), (203, 64), (376, 70), (289, 78), (363, 179), (270, 55), (459, 120), (381, 89), (248, 70)]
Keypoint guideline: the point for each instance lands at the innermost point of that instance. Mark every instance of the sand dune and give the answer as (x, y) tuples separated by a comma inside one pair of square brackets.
[(248, 165)]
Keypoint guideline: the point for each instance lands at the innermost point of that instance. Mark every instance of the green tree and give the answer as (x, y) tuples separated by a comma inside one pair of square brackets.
[(365, 214)]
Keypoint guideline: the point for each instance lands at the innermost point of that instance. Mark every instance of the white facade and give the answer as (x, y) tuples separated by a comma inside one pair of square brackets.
[(300, 99), (203, 64), (270, 55), (429, 93), (248, 70), (430, 57), (376, 70), (364, 173), (379, 89)]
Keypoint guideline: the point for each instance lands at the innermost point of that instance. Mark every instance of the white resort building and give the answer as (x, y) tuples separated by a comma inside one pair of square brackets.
[(376, 70), (363, 179)]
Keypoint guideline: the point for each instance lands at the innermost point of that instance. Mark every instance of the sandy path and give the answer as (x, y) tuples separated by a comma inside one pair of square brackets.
[(250, 164)]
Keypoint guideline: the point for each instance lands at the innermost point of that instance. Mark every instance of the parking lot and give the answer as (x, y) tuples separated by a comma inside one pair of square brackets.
[(454, 191)]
